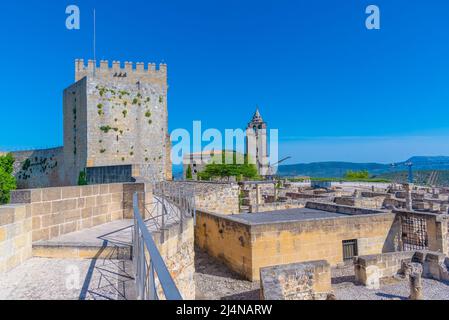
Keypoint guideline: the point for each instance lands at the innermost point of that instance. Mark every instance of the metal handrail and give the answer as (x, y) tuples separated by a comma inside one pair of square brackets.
[(145, 269)]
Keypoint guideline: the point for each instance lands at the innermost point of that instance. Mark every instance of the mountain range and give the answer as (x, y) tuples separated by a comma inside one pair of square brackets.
[(339, 169)]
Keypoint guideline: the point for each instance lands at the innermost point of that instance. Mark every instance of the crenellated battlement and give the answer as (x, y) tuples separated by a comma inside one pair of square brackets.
[(116, 69)]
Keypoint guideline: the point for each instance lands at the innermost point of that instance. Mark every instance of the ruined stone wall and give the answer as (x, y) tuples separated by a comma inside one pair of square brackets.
[(39, 168), (321, 239), (58, 211), (15, 236), (215, 197), (370, 203), (246, 248), (369, 270), (274, 206), (436, 227), (300, 281), (225, 240), (176, 245)]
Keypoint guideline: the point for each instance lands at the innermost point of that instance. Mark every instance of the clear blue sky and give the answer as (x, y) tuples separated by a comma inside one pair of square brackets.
[(335, 90)]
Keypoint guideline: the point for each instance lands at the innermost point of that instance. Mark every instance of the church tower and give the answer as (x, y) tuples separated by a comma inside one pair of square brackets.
[(257, 144)]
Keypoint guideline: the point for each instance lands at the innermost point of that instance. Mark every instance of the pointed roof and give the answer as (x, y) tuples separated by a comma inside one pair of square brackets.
[(257, 117)]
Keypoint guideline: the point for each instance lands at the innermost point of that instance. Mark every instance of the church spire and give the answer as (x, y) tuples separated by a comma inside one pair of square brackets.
[(257, 118)]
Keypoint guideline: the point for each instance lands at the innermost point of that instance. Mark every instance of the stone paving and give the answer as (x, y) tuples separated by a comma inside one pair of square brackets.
[(391, 290), (117, 233), (56, 279), (214, 281)]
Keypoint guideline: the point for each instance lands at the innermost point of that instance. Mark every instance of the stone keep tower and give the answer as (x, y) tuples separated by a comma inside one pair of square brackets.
[(116, 117), (257, 144)]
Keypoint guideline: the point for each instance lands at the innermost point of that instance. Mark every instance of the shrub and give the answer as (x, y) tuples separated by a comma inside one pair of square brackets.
[(82, 179), (105, 129), (189, 175), (7, 179), (223, 170), (357, 175)]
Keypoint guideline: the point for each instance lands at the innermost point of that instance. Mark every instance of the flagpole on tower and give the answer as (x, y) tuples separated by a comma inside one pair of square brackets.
[(95, 42)]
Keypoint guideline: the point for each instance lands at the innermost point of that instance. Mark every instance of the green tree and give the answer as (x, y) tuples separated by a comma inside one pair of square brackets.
[(189, 175), (7, 179), (354, 175), (230, 168), (82, 179)]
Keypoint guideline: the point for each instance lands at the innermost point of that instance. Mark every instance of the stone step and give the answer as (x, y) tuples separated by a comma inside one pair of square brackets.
[(82, 251), (109, 241)]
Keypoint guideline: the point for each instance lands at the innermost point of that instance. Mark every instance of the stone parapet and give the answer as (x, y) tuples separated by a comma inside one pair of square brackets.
[(58, 211), (215, 197), (15, 236)]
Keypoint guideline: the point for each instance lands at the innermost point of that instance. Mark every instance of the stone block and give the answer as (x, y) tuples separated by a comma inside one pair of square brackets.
[(104, 189), (81, 203), (51, 194), (6, 216), (42, 208), (86, 191), (99, 220), (116, 188), (71, 192), (54, 232), (2, 234), (372, 277), (90, 202), (36, 195), (86, 213), (42, 234), (69, 227), (64, 205)]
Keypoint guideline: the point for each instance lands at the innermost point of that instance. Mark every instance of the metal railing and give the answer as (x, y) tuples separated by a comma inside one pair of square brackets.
[(150, 270), (178, 201)]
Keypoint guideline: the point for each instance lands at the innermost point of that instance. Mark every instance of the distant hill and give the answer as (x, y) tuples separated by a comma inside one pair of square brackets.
[(339, 169)]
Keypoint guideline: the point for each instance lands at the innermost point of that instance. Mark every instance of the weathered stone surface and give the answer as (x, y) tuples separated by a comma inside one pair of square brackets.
[(416, 287), (306, 281)]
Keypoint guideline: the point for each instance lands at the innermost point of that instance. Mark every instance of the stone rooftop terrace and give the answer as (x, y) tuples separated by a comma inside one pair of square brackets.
[(313, 211), (291, 215)]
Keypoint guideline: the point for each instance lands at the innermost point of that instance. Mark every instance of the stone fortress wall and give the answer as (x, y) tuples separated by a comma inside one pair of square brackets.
[(220, 197), (127, 118), (38, 167)]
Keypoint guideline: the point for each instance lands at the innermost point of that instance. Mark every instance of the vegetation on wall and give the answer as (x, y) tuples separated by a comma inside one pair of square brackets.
[(106, 129), (100, 109), (37, 164), (7, 179)]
